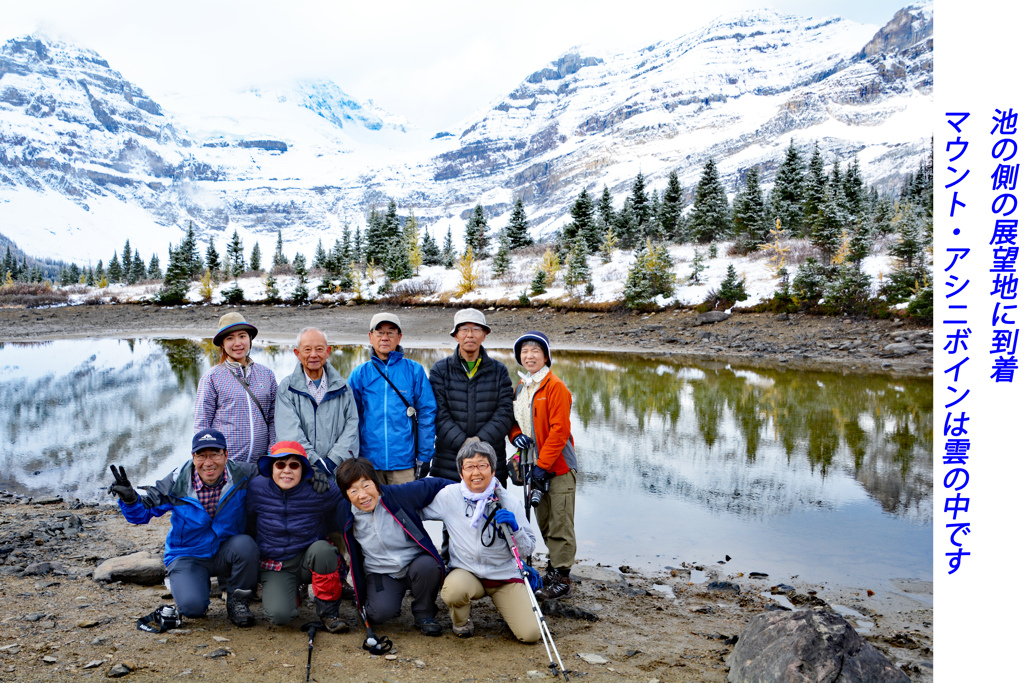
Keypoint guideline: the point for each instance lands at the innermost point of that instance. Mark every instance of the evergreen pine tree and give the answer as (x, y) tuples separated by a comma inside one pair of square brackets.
[(177, 278), (279, 258), (115, 273), (502, 258), (226, 262), (786, 201), (853, 189), (605, 207), (827, 228), (235, 258), (732, 288), (101, 273), (256, 259), (518, 228), (154, 272), (358, 247), (476, 232), (212, 258), (709, 218), (126, 263), (650, 276), (448, 251), (577, 268), (671, 208), (583, 223), (300, 294), (376, 245), (814, 188), (653, 229), (138, 268), (319, 256), (749, 220), (431, 252), (396, 261), (626, 225), (640, 206), (539, 283), (90, 277), (190, 254), (346, 254)]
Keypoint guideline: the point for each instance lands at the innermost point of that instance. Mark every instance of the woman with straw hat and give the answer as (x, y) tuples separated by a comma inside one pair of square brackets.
[(236, 396)]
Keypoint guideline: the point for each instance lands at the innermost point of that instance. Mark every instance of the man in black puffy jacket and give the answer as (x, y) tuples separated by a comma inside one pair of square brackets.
[(474, 398)]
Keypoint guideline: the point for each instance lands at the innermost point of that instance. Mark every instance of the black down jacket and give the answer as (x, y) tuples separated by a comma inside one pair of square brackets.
[(481, 406)]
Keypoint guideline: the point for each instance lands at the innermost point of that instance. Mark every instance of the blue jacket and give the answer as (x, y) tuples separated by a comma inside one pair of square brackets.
[(385, 430), (288, 522), (193, 532), (403, 501)]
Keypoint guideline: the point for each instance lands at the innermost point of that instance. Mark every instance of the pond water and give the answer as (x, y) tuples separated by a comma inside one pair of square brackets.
[(823, 475)]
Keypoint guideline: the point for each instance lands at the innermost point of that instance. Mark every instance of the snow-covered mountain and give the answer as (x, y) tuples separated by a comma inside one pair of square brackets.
[(87, 160)]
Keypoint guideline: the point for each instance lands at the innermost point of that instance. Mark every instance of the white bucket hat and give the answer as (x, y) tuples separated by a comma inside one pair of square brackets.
[(470, 315)]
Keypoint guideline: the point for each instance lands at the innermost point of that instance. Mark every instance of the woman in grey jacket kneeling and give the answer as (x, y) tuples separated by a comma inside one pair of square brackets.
[(481, 561)]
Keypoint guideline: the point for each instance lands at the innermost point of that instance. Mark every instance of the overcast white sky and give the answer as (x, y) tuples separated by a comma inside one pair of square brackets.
[(433, 63)]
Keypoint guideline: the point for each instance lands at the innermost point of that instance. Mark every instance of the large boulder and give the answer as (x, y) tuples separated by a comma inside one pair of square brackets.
[(806, 646), (712, 317), (143, 568)]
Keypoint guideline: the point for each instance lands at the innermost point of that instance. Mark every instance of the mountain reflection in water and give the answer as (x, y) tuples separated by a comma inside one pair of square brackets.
[(785, 470)]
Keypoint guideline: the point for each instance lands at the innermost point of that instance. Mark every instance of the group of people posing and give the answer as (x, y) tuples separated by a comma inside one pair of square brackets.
[(288, 480)]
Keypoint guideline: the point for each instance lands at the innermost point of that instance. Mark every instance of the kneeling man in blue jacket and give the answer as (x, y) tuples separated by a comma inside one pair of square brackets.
[(206, 499)]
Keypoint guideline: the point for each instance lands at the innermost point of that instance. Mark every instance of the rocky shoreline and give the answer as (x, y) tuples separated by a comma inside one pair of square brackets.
[(60, 624), (813, 342)]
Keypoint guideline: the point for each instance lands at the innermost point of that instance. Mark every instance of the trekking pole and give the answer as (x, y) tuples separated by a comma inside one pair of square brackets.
[(311, 629), (545, 632), (373, 644)]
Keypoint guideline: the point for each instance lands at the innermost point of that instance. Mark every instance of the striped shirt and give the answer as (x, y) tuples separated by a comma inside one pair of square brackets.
[(317, 392), (222, 403)]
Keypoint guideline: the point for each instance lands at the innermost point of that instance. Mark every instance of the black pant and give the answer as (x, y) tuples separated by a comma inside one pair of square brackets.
[(384, 594)]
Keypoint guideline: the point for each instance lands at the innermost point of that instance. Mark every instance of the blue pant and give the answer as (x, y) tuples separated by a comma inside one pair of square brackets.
[(237, 558)]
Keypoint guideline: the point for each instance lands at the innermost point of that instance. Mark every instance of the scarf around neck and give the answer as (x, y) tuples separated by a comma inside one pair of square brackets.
[(479, 498)]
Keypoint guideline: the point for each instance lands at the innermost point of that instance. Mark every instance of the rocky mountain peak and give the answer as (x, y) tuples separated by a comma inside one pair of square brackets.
[(909, 26)]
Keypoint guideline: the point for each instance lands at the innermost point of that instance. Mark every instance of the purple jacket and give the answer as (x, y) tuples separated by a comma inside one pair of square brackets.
[(288, 522), (222, 403)]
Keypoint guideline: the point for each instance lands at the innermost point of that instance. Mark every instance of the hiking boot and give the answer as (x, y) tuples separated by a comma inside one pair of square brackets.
[(464, 631), (327, 610), (428, 626), (238, 608), (560, 587)]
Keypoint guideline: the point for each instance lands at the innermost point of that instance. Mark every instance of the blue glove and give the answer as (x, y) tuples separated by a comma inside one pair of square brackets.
[(536, 583), (538, 473), (506, 517), (522, 441), (326, 465)]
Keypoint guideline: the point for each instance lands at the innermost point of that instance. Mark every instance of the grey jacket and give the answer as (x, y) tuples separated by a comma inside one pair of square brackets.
[(330, 429), (465, 546)]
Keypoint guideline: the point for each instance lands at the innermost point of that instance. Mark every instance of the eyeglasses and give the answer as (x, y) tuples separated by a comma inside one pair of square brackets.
[(201, 457), (291, 464), (469, 329), (482, 467), (387, 333)]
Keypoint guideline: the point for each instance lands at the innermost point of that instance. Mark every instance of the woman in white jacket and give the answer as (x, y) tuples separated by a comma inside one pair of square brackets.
[(481, 561)]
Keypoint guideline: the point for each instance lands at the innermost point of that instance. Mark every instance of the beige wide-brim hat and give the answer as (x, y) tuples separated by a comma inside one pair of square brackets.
[(470, 315), (231, 322)]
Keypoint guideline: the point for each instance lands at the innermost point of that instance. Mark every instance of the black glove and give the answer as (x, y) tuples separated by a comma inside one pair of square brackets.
[(320, 481), (422, 469), (122, 488), (540, 477), (522, 442)]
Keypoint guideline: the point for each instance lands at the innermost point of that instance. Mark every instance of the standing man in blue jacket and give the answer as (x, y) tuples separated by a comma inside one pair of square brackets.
[(206, 499), (315, 406), (396, 406)]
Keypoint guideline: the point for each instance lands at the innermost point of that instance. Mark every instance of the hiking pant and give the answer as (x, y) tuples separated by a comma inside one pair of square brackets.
[(281, 588), (511, 599), (396, 476), (556, 516), (384, 594), (189, 577)]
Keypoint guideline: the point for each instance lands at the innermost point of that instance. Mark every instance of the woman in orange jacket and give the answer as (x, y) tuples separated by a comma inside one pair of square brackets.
[(541, 407)]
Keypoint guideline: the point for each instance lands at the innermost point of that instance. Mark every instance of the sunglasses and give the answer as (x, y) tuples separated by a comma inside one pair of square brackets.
[(291, 464)]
